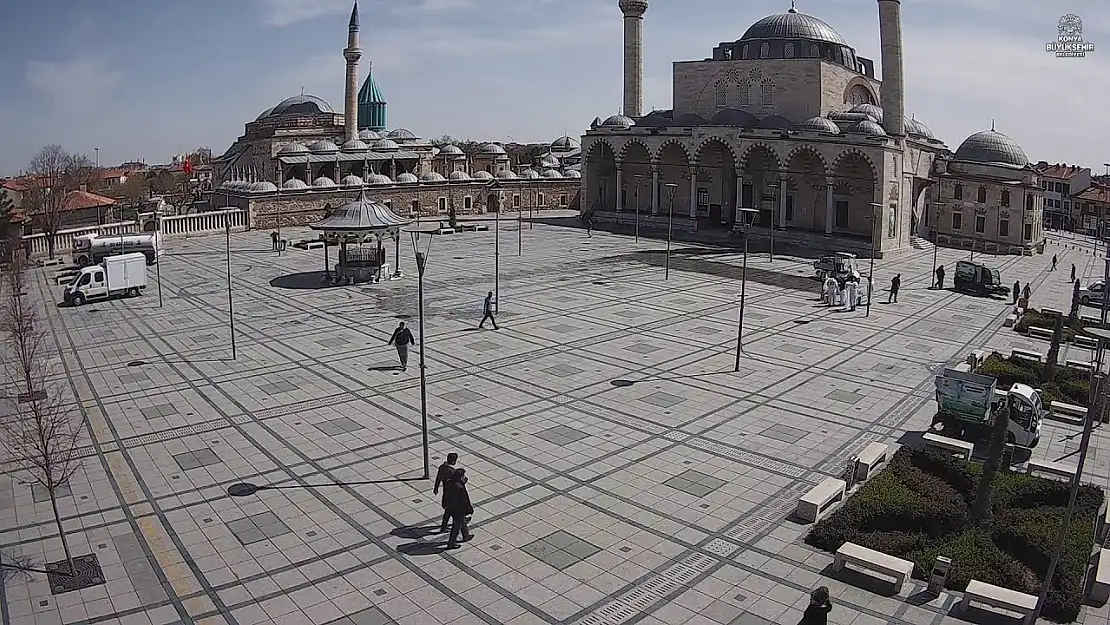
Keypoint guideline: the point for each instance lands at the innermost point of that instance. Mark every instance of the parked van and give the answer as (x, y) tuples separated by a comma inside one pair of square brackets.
[(123, 275)]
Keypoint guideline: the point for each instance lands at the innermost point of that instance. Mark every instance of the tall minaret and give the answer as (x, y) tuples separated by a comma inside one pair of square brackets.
[(350, 94), (633, 55), (893, 100)]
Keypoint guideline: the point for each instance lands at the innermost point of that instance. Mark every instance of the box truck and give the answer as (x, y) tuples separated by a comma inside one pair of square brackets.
[(123, 275)]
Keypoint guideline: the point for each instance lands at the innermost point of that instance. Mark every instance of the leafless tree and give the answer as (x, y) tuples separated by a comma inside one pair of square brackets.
[(51, 175), (42, 433), (14, 565)]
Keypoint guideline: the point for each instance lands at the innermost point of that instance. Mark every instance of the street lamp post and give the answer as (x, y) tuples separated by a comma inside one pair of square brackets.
[(936, 229), (519, 229), (230, 303), (639, 181), (875, 224), (670, 218), (748, 217), (496, 186), (421, 245)]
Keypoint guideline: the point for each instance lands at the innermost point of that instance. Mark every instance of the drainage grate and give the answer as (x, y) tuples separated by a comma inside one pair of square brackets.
[(748, 458), (640, 598), (634, 423), (677, 437), (86, 573)]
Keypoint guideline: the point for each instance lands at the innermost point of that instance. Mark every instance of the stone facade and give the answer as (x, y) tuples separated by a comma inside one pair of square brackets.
[(990, 209)]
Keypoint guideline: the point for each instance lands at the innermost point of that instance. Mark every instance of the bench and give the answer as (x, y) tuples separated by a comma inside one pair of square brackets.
[(873, 560), (1026, 354), (1085, 365), (1051, 312), (1010, 321), (481, 228), (1085, 341), (951, 445), (442, 230), (1068, 413), (1103, 523), (313, 245), (1100, 587), (1040, 333), (820, 499), (50, 262), (871, 457), (1052, 468), (998, 597)]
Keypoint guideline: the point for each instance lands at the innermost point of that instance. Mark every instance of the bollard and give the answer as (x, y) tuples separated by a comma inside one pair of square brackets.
[(939, 575)]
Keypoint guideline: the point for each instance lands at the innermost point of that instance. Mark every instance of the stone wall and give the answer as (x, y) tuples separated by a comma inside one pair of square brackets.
[(425, 200)]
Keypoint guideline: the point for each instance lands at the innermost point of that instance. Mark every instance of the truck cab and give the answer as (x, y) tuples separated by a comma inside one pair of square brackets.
[(123, 275), (969, 403)]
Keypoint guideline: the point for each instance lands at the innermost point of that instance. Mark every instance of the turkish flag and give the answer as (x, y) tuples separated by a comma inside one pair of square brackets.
[(187, 167)]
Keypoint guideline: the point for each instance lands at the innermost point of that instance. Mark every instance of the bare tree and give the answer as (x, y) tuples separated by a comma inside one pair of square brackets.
[(41, 435), (52, 174), (15, 565)]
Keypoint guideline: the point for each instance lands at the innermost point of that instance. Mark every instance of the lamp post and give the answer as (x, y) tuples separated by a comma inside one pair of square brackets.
[(496, 186), (747, 218), (639, 181), (421, 245), (99, 212), (875, 224), (670, 218), (230, 303), (936, 229)]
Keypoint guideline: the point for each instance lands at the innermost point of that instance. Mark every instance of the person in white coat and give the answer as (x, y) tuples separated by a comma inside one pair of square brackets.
[(830, 292), (852, 287)]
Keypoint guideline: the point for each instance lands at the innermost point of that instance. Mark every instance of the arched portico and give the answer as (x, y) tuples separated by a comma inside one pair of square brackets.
[(806, 203), (760, 188), (601, 172), (854, 179), (716, 183), (635, 179), (674, 167)]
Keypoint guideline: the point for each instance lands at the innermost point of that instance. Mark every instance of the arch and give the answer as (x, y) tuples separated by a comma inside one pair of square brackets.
[(858, 91), (855, 153), (636, 165), (717, 180), (812, 152), (714, 142), (762, 148), (658, 155), (599, 177), (596, 144), (622, 155), (744, 52), (806, 172), (764, 50), (788, 51), (814, 51), (855, 177)]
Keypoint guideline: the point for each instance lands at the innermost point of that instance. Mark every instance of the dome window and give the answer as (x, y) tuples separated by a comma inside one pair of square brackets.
[(744, 52), (767, 93), (721, 95), (814, 51), (745, 95), (764, 50), (788, 52)]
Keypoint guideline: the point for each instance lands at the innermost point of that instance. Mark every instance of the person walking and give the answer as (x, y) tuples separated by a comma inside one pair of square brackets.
[(853, 291), (817, 612), (1072, 272), (1053, 263), (401, 339), (940, 278), (274, 239), (1026, 293), (1017, 290), (895, 284), (589, 227), (487, 311), (445, 474), (457, 503)]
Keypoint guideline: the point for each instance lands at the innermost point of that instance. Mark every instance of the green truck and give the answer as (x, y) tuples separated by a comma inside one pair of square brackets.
[(969, 403)]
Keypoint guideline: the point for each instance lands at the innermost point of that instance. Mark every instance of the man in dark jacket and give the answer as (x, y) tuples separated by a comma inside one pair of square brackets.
[(895, 284), (940, 278), (401, 339), (1017, 290), (457, 503), (446, 472)]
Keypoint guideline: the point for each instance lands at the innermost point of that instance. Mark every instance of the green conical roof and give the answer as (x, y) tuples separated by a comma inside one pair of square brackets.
[(370, 94)]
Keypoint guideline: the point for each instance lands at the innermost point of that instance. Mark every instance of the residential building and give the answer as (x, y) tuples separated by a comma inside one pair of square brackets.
[(1092, 209), (1060, 181)]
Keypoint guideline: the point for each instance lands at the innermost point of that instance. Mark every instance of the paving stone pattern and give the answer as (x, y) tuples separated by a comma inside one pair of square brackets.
[(620, 470)]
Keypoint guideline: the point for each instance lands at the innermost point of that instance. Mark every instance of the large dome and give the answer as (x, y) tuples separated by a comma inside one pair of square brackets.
[(991, 147), (793, 25), (299, 105)]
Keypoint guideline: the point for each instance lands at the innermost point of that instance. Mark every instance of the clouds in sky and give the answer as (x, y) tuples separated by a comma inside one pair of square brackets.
[(536, 69)]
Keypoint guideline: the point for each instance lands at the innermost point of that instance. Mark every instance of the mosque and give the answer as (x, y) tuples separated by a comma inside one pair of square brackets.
[(300, 158), (788, 120)]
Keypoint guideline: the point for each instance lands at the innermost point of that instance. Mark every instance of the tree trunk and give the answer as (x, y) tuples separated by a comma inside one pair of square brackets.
[(50, 244), (981, 508), (1053, 355), (61, 531)]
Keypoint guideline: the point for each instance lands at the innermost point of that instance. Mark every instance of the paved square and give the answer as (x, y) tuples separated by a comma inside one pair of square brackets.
[(619, 468)]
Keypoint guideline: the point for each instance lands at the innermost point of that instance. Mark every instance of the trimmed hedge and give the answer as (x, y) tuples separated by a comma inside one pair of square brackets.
[(918, 508), (1068, 384), (1033, 318)]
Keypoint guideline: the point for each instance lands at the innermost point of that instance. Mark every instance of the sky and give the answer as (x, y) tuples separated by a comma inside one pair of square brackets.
[(144, 80)]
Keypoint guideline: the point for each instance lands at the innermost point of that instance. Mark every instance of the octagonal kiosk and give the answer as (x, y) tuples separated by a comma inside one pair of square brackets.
[(351, 227)]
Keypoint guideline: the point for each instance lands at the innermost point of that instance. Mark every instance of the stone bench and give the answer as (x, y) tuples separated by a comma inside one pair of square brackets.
[(1058, 469), (1010, 321), (442, 230), (481, 228), (1100, 587), (954, 446), (1040, 333), (819, 499), (869, 459), (876, 561), (998, 597), (1051, 312), (1085, 342), (1068, 413), (1085, 365), (1103, 528), (50, 262), (313, 245), (1026, 354)]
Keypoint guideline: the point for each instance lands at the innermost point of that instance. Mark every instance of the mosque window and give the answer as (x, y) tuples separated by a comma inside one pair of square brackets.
[(745, 96), (563, 200), (980, 224), (542, 201), (722, 95), (414, 207), (468, 203), (1003, 227), (814, 51), (788, 51), (764, 50), (958, 191), (516, 200), (957, 221), (744, 52), (442, 205), (1005, 201), (981, 196), (767, 93)]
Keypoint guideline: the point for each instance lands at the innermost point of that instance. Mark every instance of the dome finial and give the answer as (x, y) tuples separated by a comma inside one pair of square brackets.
[(992, 125), (793, 9)]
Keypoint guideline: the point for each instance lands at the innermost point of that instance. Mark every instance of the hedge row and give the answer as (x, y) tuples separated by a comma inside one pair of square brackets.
[(1036, 319), (1068, 384), (919, 507)]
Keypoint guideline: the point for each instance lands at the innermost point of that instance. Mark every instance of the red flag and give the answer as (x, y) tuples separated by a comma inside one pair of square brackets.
[(187, 167)]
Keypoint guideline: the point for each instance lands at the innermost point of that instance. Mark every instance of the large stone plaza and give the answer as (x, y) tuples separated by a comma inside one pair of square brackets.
[(621, 471)]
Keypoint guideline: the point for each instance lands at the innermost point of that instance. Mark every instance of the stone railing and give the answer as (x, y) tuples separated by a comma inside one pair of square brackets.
[(203, 223), (63, 240), (197, 223)]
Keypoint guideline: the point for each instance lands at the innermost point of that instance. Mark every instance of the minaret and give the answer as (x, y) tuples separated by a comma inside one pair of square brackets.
[(633, 55), (893, 100), (350, 94)]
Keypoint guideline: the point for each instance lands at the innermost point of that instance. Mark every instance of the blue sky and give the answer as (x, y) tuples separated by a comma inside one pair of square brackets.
[(145, 80)]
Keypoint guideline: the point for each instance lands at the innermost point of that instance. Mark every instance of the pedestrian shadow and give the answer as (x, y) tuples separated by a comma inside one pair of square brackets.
[(414, 531), (421, 548)]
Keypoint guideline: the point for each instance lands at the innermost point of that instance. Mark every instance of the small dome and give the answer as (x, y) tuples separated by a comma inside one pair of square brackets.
[(776, 122), (368, 135), (378, 179), (507, 174), (867, 127), (991, 147), (552, 173), (482, 175), (293, 148), (236, 185), (870, 110), (458, 176), (323, 182), (819, 124), (351, 180), (432, 176), (734, 117), (490, 148), (264, 186), (687, 120), (530, 173), (355, 145), (916, 128), (407, 178), (265, 113), (400, 134), (549, 161), (618, 121), (384, 145), (323, 146), (564, 144), (294, 184), (450, 150), (793, 25), (847, 116), (572, 173)]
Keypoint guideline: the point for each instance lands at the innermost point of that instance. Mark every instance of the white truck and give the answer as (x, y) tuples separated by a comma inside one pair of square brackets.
[(123, 275), (968, 403)]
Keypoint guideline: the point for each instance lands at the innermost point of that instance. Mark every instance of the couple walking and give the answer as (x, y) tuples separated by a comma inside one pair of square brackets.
[(456, 500), (402, 336)]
